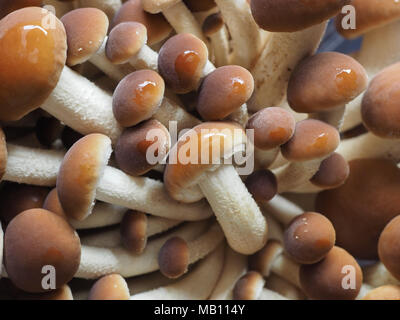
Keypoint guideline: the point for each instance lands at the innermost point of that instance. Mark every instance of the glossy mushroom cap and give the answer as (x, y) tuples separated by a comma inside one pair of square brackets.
[(324, 279), (212, 24), (16, 198), (173, 258), (32, 56), (139, 147), (197, 151), (181, 61), (224, 91), (272, 127), (379, 107), (309, 237), (332, 79), (133, 231), (157, 27), (262, 185), (370, 15), (293, 15), (387, 292), (8, 6), (389, 247), (37, 238), (137, 97), (110, 287), (80, 172), (361, 208), (312, 139), (86, 30), (263, 260), (200, 6), (332, 173), (249, 286), (125, 41)]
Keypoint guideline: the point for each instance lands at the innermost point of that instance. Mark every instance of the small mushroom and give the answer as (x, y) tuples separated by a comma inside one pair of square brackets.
[(134, 231), (262, 185), (389, 248), (249, 286), (110, 287), (173, 258)]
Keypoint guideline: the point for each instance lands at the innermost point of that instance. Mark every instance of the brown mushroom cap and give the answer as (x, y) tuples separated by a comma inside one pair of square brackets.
[(387, 292), (63, 293), (262, 185), (8, 6), (312, 139), (293, 15), (212, 24), (249, 286), (332, 79), (125, 41), (134, 144), (86, 29), (173, 258), (224, 91), (16, 198), (133, 231), (200, 6), (32, 56), (360, 208), (332, 172), (36, 238), (379, 107), (323, 280), (110, 287), (157, 27), (272, 127), (80, 172), (137, 97), (181, 61), (389, 247), (309, 237)]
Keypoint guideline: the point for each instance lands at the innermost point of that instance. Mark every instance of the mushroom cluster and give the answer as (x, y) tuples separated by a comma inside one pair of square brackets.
[(198, 149)]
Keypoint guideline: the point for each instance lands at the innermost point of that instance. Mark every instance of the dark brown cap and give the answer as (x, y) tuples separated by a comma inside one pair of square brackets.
[(200, 5), (212, 24), (262, 185), (249, 286), (332, 172), (173, 258), (133, 231), (389, 247), (110, 287)]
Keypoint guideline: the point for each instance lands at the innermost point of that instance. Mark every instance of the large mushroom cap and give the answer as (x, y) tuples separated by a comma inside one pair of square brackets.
[(324, 280), (332, 79), (293, 15), (32, 56), (8, 6), (86, 30), (387, 292), (110, 287), (173, 258), (80, 172), (332, 172), (360, 208), (380, 106), (37, 238), (389, 247)]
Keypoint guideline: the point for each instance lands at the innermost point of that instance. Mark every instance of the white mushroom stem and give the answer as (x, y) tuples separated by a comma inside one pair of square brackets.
[(197, 285), (220, 46), (264, 158), (377, 275), (110, 7), (282, 209), (275, 230), (238, 214), (380, 49), (279, 57), (112, 238), (333, 117), (235, 266), (309, 187), (284, 288), (267, 294), (146, 58), (246, 35)]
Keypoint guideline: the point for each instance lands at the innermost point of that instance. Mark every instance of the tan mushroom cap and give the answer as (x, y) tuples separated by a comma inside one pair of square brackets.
[(133, 231), (157, 27), (332, 172), (272, 127), (312, 139), (389, 247), (110, 287), (324, 279), (124, 41), (361, 208), (370, 15), (309, 237), (200, 5), (137, 145), (37, 238), (173, 258), (293, 15), (212, 24), (332, 79), (137, 97), (8, 6), (262, 260), (80, 172), (249, 286), (181, 61), (379, 109), (387, 292), (86, 30), (197, 151), (32, 56), (262, 185), (52, 203), (224, 91)]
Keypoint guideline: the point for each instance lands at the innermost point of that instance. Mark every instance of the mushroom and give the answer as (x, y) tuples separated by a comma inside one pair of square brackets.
[(110, 287), (262, 185), (389, 248), (110, 7), (36, 238), (173, 258), (386, 292), (249, 286), (187, 180)]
